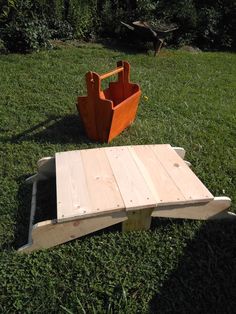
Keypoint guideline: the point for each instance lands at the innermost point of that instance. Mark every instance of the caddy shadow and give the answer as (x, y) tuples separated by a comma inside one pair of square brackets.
[(54, 130), (204, 281)]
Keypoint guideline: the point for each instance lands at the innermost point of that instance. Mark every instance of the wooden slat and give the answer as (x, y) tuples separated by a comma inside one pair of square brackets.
[(85, 185), (214, 209), (159, 181), (186, 181), (133, 187), (101, 184), (72, 194), (93, 181)]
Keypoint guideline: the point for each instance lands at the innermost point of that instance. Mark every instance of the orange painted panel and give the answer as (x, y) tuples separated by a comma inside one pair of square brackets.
[(105, 114)]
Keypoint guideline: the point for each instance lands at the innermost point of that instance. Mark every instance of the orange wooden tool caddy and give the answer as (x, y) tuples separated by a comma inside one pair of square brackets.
[(106, 113)]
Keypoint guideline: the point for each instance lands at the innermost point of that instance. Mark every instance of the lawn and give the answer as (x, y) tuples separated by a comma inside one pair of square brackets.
[(179, 266)]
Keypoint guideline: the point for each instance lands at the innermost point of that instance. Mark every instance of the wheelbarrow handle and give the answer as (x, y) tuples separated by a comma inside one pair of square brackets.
[(117, 70)]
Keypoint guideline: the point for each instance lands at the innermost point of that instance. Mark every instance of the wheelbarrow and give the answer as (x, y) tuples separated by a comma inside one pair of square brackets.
[(143, 31), (106, 113)]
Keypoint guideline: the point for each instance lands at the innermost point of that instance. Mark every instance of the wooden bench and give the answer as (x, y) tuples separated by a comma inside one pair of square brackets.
[(100, 187)]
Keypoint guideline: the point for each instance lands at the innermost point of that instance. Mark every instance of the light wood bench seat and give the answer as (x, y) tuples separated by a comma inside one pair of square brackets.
[(100, 187)]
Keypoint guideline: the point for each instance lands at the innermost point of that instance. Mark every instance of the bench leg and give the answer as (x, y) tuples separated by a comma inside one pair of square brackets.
[(180, 151), (49, 233), (215, 209), (137, 220)]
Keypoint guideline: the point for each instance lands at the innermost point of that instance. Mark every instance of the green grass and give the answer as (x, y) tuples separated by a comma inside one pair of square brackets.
[(177, 266)]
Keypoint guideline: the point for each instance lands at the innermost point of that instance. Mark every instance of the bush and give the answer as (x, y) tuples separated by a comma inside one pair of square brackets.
[(27, 25), (21, 29), (216, 24), (61, 29), (3, 49), (111, 13), (81, 15), (22, 35), (205, 23)]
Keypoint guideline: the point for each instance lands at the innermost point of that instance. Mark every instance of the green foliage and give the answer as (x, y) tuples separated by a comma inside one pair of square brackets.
[(5, 8), (54, 9), (60, 29), (21, 29), (3, 48), (22, 35), (216, 24), (82, 17), (111, 13), (206, 24), (147, 9)]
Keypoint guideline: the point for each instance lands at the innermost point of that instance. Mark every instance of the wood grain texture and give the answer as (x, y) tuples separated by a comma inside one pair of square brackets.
[(133, 188), (184, 178), (137, 220), (157, 178), (100, 187), (50, 233), (215, 209), (85, 185), (73, 199), (93, 181), (101, 184)]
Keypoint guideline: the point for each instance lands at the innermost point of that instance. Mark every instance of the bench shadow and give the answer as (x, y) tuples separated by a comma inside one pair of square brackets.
[(205, 279), (45, 207), (131, 46), (22, 215), (55, 130)]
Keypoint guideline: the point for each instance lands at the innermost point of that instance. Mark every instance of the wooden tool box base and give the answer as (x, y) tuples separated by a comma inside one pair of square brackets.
[(97, 188)]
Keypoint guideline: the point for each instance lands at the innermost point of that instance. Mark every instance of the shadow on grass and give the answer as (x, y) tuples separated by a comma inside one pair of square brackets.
[(55, 130), (45, 207), (135, 47), (205, 280), (22, 215), (126, 46)]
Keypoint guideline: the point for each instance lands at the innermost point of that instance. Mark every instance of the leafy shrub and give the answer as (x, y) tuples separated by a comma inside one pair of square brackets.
[(205, 23), (81, 15), (26, 35), (21, 29), (5, 8), (216, 24), (2, 47), (60, 29), (29, 24), (111, 13)]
